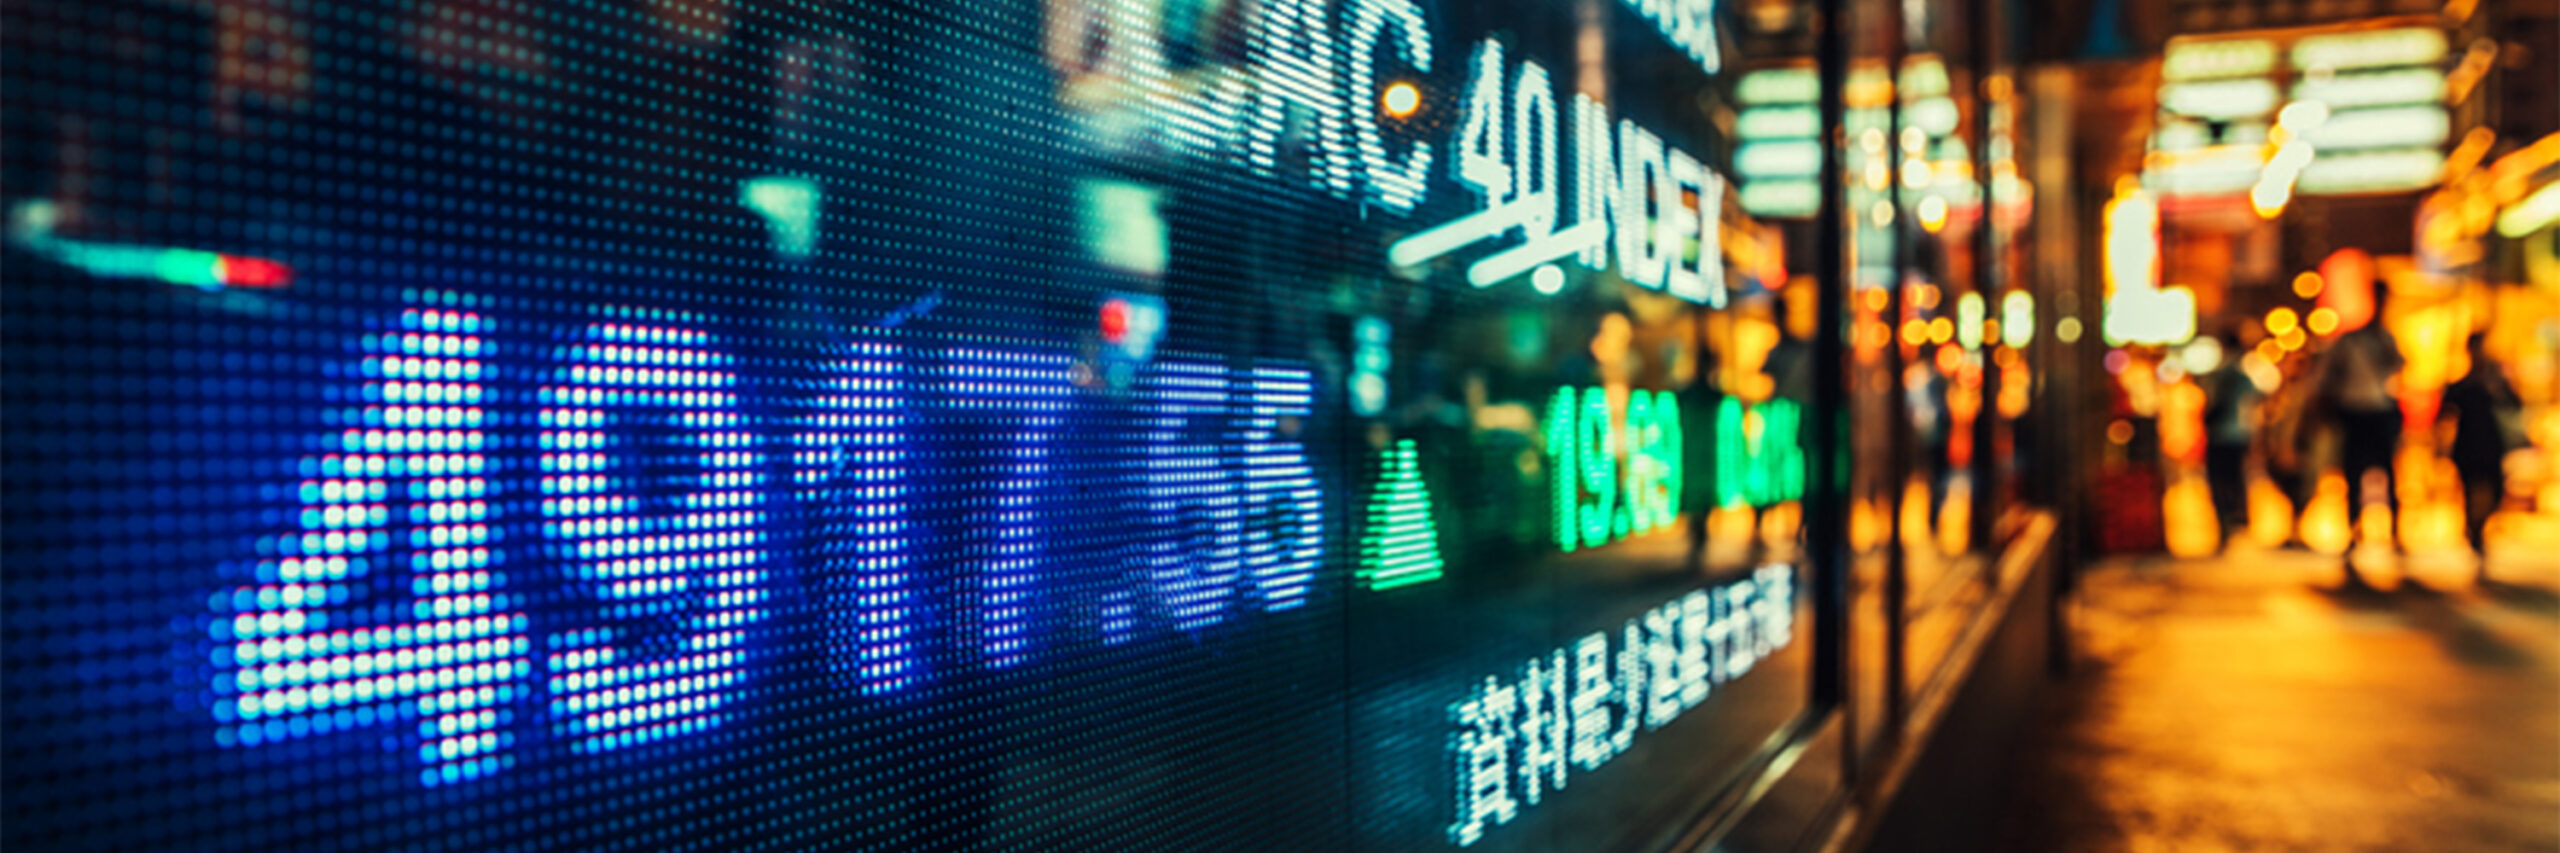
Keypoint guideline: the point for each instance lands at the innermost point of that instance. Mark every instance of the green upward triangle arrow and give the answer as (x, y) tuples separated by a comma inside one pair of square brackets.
[(1400, 545)]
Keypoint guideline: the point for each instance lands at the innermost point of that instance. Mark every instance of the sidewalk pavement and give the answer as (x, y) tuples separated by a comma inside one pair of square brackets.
[(2254, 702)]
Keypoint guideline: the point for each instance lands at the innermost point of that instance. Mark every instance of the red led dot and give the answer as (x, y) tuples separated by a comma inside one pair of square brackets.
[(1115, 320), (238, 271)]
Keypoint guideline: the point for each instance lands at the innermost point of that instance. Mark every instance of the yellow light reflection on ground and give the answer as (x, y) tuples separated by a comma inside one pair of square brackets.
[(2186, 507), (2270, 514), (1955, 519), (2324, 520), (1915, 513), (1866, 524), (2375, 524), (1779, 523), (2430, 521), (1730, 524)]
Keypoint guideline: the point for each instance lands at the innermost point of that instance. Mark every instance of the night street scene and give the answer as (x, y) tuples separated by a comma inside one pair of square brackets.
[(1623, 426)]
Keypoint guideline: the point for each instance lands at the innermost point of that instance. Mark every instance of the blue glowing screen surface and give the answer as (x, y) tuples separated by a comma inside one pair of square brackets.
[(1050, 424)]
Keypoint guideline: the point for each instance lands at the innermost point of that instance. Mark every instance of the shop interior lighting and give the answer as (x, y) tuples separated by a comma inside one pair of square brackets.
[(2370, 49)]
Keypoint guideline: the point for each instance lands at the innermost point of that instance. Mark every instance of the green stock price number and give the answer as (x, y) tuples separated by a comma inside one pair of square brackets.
[(1614, 476)]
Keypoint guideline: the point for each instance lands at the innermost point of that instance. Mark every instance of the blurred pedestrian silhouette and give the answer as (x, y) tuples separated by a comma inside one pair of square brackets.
[(2290, 437), (2487, 422), (2360, 384), (2230, 418)]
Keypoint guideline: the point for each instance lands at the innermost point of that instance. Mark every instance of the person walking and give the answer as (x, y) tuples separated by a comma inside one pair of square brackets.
[(2288, 437), (2230, 415), (2361, 380), (2484, 410)]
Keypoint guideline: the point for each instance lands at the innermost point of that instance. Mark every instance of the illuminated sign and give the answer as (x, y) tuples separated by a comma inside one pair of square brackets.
[(1050, 425), (2199, 59), (2220, 170), (2369, 49), (1401, 546), (2132, 247), (300, 648), (31, 225), (2372, 171), (1779, 86), (1590, 446), (2138, 309), (1575, 709), (2366, 111), (1759, 455), (1630, 199), (1689, 25), (2220, 99), (389, 599), (2158, 317), (1779, 156), (2373, 88), (2389, 127), (2386, 125)]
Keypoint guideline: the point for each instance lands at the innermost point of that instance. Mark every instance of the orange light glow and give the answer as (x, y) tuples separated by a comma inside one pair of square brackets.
[(2182, 422), (2308, 285), (1955, 519), (2322, 321), (1876, 299), (2270, 513), (2348, 292), (1950, 359), (1778, 524), (2324, 519), (2186, 514), (1866, 524), (1400, 99), (2282, 320)]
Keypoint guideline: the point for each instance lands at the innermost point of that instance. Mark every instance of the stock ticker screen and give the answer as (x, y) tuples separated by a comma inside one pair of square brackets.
[(685, 424)]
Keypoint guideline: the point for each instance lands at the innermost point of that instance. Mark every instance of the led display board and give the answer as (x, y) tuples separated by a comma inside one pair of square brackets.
[(1143, 424), (1779, 130), (2364, 113)]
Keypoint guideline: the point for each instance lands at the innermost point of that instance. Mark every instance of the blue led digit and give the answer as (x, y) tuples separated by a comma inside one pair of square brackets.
[(849, 466), (651, 498), (1196, 556), (318, 642), (1286, 535), (1035, 387)]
